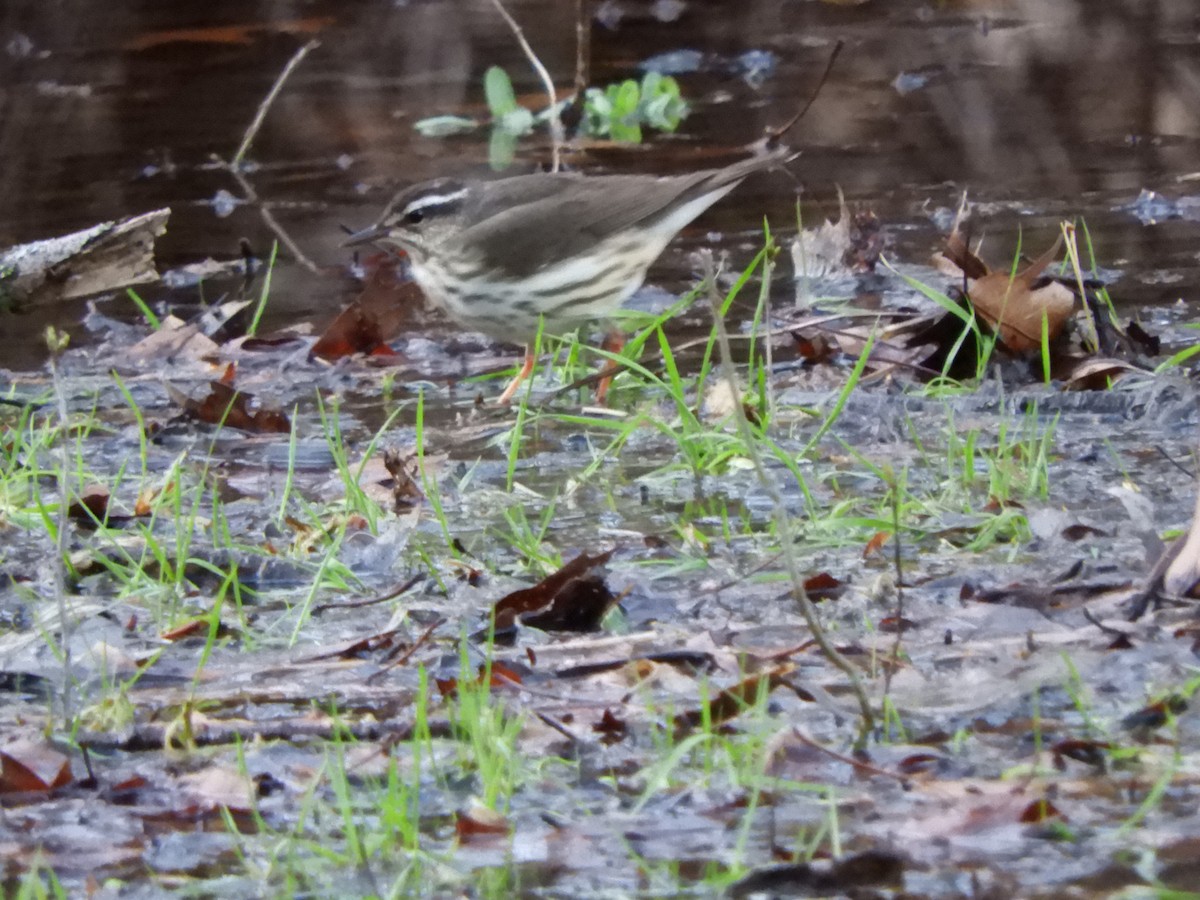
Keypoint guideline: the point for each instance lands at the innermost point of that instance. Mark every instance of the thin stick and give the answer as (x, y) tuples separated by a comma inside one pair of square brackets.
[(583, 46), (782, 524), (252, 131), (848, 760), (407, 654), (383, 598), (233, 166), (556, 126), (774, 134), (268, 217)]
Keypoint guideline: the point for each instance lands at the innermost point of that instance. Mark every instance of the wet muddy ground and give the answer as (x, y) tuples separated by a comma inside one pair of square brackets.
[(276, 676)]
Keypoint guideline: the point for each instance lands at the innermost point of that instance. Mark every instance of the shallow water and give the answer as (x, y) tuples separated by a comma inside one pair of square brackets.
[(1042, 111), (1039, 110)]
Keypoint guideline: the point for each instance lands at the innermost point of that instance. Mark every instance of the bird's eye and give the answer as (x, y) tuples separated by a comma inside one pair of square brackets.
[(414, 217)]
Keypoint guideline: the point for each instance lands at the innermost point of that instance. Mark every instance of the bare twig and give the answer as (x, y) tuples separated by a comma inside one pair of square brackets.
[(583, 46), (556, 126), (848, 760), (268, 217), (252, 131), (774, 134), (233, 166), (1105, 629), (782, 523), (382, 598), (560, 728), (408, 653)]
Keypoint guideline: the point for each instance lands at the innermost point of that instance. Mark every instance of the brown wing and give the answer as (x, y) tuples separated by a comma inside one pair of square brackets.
[(527, 222)]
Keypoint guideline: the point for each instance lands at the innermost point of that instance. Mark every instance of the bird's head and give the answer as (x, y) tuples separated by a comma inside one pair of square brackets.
[(418, 218)]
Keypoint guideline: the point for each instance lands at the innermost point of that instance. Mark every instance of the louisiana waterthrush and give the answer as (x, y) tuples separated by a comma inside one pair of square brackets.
[(565, 249)]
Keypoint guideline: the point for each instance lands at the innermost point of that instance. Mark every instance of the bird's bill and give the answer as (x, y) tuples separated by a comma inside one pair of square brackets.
[(366, 236)]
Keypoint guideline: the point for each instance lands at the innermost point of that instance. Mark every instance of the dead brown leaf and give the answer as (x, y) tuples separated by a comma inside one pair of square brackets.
[(174, 338), (29, 765), (875, 544), (733, 701), (220, 786), (612, 729), (224, 405), (371, 319), (823, 586), (1016, 305), (571, 599), (478, 820)]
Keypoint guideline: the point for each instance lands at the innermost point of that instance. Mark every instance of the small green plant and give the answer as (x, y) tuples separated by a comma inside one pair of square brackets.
[(618, 111), (621, 110), (487, 733)]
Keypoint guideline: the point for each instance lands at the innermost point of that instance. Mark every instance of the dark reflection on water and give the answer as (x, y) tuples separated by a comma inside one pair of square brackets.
[(1047, 109)]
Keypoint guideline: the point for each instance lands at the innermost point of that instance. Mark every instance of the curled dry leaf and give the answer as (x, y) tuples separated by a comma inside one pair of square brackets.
[(733, 701), (1018, 305), (224, 405), (371, 319), (849, 246), (571, 599)]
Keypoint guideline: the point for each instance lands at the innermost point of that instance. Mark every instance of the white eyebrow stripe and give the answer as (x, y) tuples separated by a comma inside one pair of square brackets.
[(435, 200)]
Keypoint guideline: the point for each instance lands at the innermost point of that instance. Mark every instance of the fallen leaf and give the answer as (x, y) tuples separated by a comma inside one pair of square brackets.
[(371, 319), (226, 406), (1093, 753), (875, 544), (823, 586), (220, 786), (27, 765), (735, 700), (896, 625), (1040, 811), (1018, 305), (477, 820), (570, 599), (611, 729), (1096, 374), (91, 508), (1155, 715), (174, 338), (849, 246)]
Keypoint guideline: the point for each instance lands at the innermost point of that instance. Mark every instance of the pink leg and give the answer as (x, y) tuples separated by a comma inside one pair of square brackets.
[(613, 342), (526, 369)]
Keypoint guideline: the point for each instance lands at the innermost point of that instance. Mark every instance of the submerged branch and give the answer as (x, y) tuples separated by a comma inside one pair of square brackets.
[(234, 168)]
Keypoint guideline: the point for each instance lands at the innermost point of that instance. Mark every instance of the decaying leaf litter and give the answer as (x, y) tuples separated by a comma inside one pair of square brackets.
[(398, 634)]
